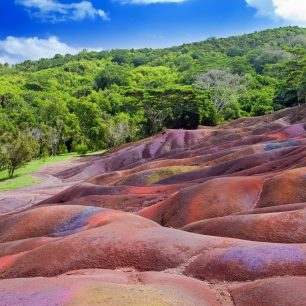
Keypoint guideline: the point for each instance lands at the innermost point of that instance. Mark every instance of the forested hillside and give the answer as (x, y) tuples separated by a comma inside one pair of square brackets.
[(97, 100)]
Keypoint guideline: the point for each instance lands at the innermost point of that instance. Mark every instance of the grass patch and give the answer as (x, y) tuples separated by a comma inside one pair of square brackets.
[(162, 173), (23, 178), (95, 153)]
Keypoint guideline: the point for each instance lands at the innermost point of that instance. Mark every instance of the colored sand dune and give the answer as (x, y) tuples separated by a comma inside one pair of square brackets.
[(215, 216)]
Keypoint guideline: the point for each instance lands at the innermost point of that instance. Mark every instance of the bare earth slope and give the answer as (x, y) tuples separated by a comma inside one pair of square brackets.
[(215, 216), (49, 185)]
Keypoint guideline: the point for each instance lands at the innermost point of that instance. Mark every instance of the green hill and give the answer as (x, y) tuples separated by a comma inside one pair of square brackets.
[(103, 99)]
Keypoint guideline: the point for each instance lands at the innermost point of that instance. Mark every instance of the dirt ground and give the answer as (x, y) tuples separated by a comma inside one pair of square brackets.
[(49, 185)]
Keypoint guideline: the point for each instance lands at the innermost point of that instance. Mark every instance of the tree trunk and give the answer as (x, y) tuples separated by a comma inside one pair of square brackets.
[(11, 172)]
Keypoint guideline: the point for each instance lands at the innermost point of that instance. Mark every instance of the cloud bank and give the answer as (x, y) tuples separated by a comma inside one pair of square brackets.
[(17, 49), (293, 11), (55, 11), (150, 1)]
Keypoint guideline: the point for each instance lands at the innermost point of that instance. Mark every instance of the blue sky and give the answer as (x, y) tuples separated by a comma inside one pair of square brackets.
[(31, 29)]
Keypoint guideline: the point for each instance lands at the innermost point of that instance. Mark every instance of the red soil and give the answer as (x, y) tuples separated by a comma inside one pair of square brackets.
[(224, 205), (272, 291)]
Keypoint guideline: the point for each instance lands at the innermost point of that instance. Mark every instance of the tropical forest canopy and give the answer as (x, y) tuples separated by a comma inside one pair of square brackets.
[(98, 100)]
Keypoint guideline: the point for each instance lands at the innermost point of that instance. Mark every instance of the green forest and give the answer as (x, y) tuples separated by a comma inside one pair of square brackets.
[(98, 100)]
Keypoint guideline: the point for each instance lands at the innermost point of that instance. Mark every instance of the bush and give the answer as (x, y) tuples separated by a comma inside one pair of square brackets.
[(231, 112), (62, 149), (260, 110), (44, 154), (209, 115), (81, 149)]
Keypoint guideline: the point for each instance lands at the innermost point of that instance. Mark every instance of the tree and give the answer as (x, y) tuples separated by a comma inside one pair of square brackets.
[(19, 152), (223, 86), (209, 115), (289, 91), (153, 77), (302, 88), (155, 115), (8, 133), (174, 107), (140, 59), (240, 65), (267, 55), (97, 98), (120, 56), (120, 130), (183, 62), (91, 124), (258, 99), (112, 74)]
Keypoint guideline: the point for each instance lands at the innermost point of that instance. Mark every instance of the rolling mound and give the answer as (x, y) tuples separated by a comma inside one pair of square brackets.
[(215, 216), (106, 287)]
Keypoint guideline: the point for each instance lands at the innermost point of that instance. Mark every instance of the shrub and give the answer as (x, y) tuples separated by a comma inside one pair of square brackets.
[(81, 149), (62, 149), (19, 152)]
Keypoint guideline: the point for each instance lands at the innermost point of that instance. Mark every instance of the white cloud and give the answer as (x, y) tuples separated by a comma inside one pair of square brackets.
[(17, 49), (293, 11), (264, 7), (55, 11), (150, 1)]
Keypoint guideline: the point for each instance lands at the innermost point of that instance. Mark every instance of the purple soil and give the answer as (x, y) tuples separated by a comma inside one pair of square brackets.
[(215, 216)]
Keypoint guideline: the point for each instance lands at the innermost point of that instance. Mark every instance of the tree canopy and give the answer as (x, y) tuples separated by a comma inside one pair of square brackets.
[(96, 100)]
